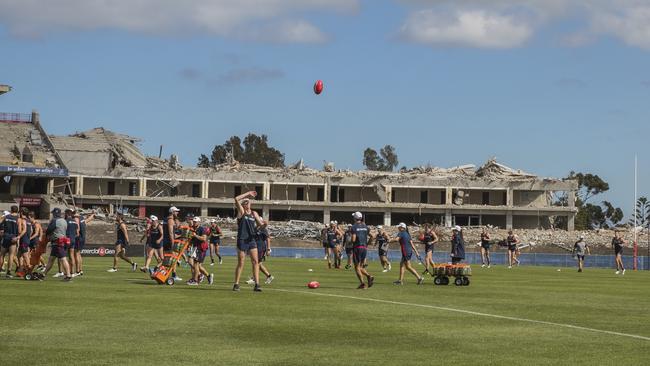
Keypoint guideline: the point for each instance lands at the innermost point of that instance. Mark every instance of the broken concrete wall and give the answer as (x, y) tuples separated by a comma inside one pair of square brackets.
[(530, 198)]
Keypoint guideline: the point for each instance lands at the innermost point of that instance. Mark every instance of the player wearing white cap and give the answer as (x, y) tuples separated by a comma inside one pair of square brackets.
[(215, 241), (360, 250), (332, 238), (154, 242), (199, 239), (407, 248), (169, 226)]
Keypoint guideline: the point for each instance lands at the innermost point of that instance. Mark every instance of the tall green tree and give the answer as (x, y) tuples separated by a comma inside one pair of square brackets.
[(641, 212), (253, 149), (592, 216), (386, 160)]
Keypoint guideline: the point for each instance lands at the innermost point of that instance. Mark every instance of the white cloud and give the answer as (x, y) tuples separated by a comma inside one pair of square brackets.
[(474, 28), (509, 23), (265, 20)]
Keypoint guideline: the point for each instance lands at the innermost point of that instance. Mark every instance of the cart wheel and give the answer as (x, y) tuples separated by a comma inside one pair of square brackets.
[(465, 281), (437, 281), (28, 276), (170, 281), (445, 280), (458, 281)]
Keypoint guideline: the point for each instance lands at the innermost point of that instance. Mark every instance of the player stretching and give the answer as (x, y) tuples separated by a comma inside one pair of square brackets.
[(382, 241), (247, 220), (360, 250), (121, 244), (429, 239), (56, 232), (579, 250), (485, 248), (215, 241), (513, 241), (407, 248), (617, 244)]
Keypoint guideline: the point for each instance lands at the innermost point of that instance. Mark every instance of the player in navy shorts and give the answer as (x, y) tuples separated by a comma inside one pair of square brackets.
[(199, 241), (359, 238), (248, 221), (121, 243), (407, 248), (215, 241)]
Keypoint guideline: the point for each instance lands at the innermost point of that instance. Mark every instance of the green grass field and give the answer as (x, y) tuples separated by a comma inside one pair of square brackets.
[(123, 318)]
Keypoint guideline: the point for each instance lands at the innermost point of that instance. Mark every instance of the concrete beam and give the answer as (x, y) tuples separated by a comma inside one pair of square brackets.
[(389, 194), (510, 197), (266, 191), (572, 199), (79, 186), (388, 218), (205, 186), (266, 212), (326, 216), (449, 196), (448, 218), (204, 210), (50, 186), (142, 187), (571, 222)]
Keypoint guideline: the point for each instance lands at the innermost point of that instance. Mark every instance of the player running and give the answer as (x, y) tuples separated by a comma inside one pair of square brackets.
[(121, 244), (56, 232), (429, 239), (215, 241), (383, 241), (617, 244), (332, 237), (154, 243), (199, 239), (247, 221), (360, 250), (485, 248), (513, 242), (579, 250), (407, 248)]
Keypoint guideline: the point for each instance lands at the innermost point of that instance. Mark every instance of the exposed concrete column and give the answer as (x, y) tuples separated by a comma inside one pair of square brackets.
[(449, 199), (388, 218), (50, 186), (266, 191), (204, 210), (571, 222), (389, 195), (205, 185), (326, 192), (142, 185), (572, 199), (327, 216), (266, 212), (79, 186), (448, 213), (509, 220), (510, 197)]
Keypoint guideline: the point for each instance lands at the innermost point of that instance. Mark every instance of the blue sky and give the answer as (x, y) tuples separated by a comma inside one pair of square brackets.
[(545, 86)]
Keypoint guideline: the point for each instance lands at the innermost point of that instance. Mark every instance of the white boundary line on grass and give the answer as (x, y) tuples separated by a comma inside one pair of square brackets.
[(469, 312)]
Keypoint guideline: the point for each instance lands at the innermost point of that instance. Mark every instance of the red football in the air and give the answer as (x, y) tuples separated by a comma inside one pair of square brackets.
[(313, 284), (318, 86)]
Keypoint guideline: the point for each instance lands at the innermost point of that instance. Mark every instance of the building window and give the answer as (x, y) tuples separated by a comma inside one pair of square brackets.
[(300, 194), (320, 194), (334, 194), (111, 189), (424, 196), (173, 191), (133, 190), (341, 195), (258, 190), (443, 197), (505, 198), (196, 190), (237, 190), (394, 195), (486, 198)]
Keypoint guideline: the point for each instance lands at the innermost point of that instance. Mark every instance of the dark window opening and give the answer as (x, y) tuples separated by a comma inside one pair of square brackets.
[(196, 190), (258, 190), (133, 189), (341, 195), (173, 191), (443, 197), (334, 194), (4, 186), (505, 198), (35, 186), (237, 190), (424, 196), (486, 198), (111, 189), (320, 194), (300, 194)]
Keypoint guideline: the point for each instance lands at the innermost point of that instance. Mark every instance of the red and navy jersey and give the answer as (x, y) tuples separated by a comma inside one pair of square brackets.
[(405, 241), (10, 226), (71, 232), (361, 232), (199, 231)]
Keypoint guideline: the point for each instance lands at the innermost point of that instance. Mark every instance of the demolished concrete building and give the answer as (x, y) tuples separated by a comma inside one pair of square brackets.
[(108, 170)]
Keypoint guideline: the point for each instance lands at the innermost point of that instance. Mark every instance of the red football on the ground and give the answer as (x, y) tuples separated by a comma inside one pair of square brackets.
[(313, 284), (318, 86)]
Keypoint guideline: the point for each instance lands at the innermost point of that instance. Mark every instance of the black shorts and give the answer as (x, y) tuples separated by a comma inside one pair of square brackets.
[(428, 248), (155, 245), (79, 244), (512, 249), (485, 246), (200, 255), (325, 245), (58, 251), (261, 251), (33, 244), (246, 246), (383, 253), (6, 242), (331, 245), (23, 248), (123, 243), (215, 241), (407, 256), (359, 254), (580, 257)]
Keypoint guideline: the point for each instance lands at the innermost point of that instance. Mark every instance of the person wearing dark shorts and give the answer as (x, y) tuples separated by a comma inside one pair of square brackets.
[(457, 245), (10, 238), (513, 241), (264, 249), (580, 248), (154, 243), (485, 248), (248, 221), (323, 237), (382, 241), (406, 248), (348, 245), (429, 239), (80, 243), (360, 250), (199, 241), (25, 227), (215, 241), (56, 232), (121, 243), (618, 243), (332, 238), (35, 239)]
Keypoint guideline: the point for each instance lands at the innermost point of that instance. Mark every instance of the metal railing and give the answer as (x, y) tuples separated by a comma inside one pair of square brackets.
[(16, 117)]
